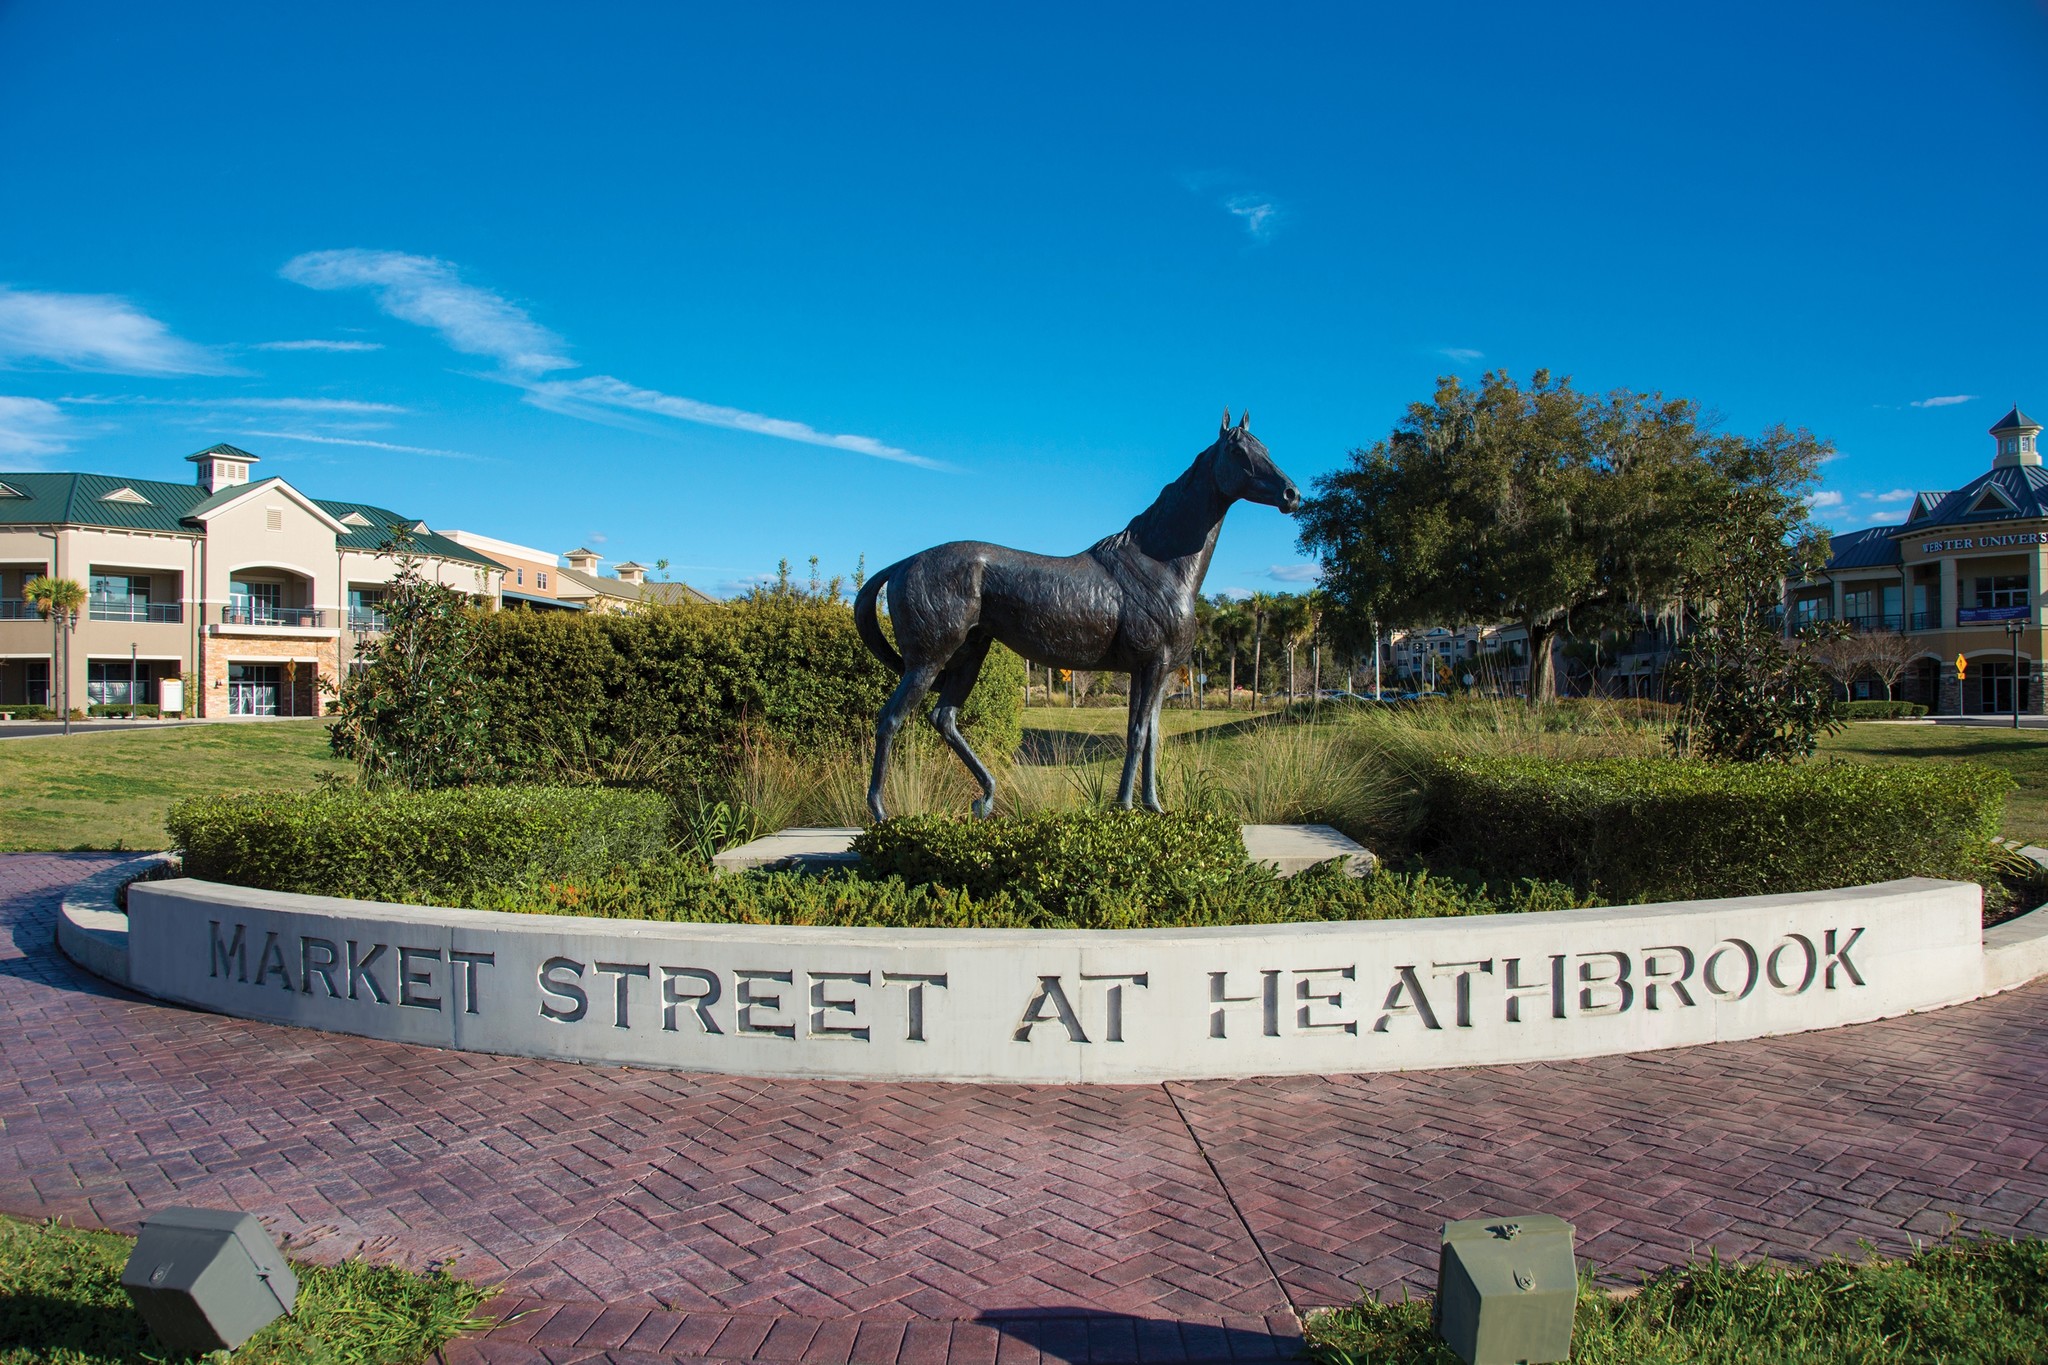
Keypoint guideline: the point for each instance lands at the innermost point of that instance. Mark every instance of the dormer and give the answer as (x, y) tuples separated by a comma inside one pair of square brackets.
[(583, 561), (2018, 437), (357, 520), (127, 495), (9, 491), (629, 572), (1991, 500), (223, 466)]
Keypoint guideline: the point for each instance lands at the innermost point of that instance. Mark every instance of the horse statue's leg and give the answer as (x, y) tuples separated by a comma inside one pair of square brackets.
[(954, 684), (1145, 684), (909, 692), (1152, 744)]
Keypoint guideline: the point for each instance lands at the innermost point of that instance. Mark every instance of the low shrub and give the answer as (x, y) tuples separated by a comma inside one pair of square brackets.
[(1058, 857), (397, 845), (120, 710), (684, 892), (1979, 1300), (27, 712), (1878, 710), (1664, 829)]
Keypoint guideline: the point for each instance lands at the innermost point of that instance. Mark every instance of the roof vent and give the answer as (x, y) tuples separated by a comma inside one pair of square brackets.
[(9, 491), (125, 495), (355, 519), (420, 528)]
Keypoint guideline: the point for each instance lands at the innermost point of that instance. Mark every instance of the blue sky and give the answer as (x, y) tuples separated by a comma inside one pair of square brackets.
[(726, 284)]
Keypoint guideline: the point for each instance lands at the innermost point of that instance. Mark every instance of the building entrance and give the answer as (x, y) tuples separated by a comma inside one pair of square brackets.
[(1994, 684), (253, 689)]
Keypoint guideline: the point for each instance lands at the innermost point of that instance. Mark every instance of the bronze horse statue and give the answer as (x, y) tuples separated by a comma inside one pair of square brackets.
[(1125, 604)]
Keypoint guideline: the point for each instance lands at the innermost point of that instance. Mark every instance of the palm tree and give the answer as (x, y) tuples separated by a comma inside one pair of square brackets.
[(60, 599), (1230, 624), (1260, 605)]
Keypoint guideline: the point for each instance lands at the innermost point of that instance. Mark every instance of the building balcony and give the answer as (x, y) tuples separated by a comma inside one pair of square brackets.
[(360, 619), (14, 609), (1924, 620), (263, 614), (126, 609), (1873, 621)]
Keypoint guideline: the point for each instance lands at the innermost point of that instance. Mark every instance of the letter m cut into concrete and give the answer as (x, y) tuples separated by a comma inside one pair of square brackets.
[(219, 952)]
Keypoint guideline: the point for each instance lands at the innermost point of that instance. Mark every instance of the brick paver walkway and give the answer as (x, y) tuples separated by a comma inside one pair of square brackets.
[(634, 1216)]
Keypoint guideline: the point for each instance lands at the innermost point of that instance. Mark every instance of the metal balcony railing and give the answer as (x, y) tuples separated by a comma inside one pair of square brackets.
[(1924, 620), (360, 618), (126, 609), (1873, 621), (14, 609), (263, 614)]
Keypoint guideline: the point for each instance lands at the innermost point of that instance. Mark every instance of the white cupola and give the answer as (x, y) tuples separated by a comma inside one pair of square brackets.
[(2019, 440), (583, 561), (223, 466)]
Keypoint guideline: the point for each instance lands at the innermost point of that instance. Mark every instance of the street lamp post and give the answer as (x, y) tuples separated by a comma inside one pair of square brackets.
[(2013, 629)]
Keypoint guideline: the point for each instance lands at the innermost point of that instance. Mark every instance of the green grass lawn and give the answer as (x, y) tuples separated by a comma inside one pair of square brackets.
[(2022, 753), (61, 1303), (1982, 1302), (111, 790)]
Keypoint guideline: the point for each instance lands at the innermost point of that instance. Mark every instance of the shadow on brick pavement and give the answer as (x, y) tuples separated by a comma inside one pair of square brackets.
[(631, 1214)]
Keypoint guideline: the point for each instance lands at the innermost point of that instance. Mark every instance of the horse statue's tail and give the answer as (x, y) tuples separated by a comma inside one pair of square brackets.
[(870, 626)]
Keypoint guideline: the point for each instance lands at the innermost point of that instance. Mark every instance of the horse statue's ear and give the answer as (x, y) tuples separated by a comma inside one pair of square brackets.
[(1244, 423), (1226, 423)]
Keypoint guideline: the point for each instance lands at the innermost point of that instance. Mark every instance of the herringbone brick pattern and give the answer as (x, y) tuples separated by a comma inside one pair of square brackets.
[(644, 1215)]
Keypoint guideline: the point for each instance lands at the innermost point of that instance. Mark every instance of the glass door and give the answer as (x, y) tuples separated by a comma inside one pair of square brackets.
[(253, 689)]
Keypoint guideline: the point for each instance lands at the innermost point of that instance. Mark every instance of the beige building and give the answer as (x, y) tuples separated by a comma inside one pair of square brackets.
[(1960, 577), (223, 596), (533, 579)]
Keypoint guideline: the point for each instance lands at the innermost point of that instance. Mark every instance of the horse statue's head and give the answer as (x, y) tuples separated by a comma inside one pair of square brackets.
[(1243, 469)]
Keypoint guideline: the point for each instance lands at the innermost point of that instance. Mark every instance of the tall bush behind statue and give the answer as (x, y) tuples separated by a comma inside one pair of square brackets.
[(580, 691)]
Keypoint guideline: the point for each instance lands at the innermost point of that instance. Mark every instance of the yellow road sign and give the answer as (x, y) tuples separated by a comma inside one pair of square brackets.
[(1962, 666)]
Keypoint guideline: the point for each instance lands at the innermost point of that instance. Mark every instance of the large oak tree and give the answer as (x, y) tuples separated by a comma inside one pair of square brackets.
[(1541, 506)]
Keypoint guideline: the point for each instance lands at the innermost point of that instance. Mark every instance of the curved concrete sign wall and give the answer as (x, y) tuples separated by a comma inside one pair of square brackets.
[(1067, 1005)]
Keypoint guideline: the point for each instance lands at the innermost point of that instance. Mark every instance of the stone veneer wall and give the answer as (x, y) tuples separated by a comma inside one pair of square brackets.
[(301, 686)]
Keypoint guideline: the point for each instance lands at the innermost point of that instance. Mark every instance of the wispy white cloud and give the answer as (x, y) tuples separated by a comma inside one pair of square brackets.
[(1464, 355), (597, 538), (1259, 214), (30, 428), (476, 321), (1947, 400), (431, 293), (1827, 497), (1295, 573), (1236, 594), (371, 445), (602, 391), (100, 332), (347, 405), (1895, 495), (319, 345)]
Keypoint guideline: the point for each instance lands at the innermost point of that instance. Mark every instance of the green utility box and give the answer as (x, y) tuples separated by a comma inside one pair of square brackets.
[(207, 1279), (1506, 1288)]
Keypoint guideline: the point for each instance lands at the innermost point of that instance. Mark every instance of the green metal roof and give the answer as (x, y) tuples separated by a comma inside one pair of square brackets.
[(224, 451), (77, 500)]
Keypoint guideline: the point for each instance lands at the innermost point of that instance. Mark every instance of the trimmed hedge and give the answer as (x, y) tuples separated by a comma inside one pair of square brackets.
[(686, 893), (27, 712), (398, 845), (1665, 830), (573, 692), (1878, 710), (100, 711), (1058, 858)]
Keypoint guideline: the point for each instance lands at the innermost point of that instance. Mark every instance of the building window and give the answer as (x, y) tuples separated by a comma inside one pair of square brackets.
[(1809, 610), (2003, 590), (107, 680), (519, 577), (366, 609), (119, 597), (541, 580)]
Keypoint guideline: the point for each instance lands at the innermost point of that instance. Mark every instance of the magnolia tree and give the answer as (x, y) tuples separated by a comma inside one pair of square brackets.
[(414, 713)]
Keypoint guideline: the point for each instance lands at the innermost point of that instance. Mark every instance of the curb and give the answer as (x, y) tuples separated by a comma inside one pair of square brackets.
[(92, 929)]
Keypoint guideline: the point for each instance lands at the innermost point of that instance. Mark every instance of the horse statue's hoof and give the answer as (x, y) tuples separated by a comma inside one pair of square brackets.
[(984, 808)]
